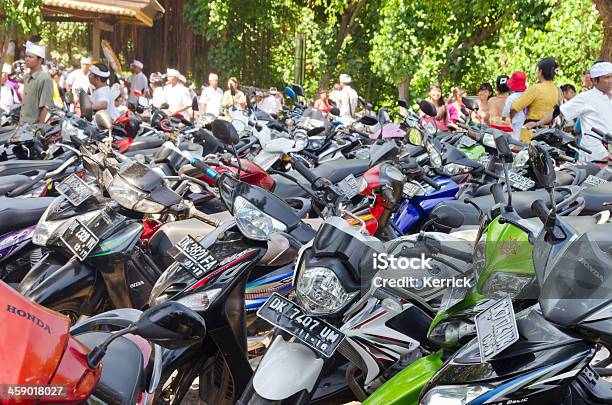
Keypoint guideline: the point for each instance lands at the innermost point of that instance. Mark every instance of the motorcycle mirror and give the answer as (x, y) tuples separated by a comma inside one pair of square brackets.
[(334, 111), (427, 107), (69, 97), (315, 131), (367, 120), (415, 137), (402, 103), (195, 106), (450, 217), (556, 111), (164, 106), (225, 132), (86, 106), (503, 147), (170, 325), (103, 120), (333, 103), (471, 103), (290, 93), (542, 164)]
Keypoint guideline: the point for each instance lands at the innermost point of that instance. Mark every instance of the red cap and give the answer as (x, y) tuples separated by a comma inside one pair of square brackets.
[(518, 81)]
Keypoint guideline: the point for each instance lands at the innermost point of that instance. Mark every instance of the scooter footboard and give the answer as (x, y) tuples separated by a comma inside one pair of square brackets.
[(286, 369)]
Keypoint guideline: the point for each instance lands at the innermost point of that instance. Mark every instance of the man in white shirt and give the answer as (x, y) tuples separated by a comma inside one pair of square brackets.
[(79, 79), (8, 95), (348, 98), (158, 98), (177, 95), (101, 98), (137, 82), (271, 103), (211, 96), (594, 109)]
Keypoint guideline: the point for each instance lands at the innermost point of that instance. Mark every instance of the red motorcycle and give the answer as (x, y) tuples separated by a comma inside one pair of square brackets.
[(44, 361)]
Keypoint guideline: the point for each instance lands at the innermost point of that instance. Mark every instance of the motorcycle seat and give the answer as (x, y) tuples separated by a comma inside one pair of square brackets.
[(334, 171), (521, 201), (20, 166), (146, 142), (123, 375), (17, 213), (9, 128), (145, 152), (9, 183), (595, 197)]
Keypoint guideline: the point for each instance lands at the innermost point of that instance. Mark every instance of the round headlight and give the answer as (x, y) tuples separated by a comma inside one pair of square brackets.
[(320, 291)]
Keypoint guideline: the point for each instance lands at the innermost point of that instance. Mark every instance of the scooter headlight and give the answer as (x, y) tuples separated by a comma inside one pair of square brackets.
[(450, 333), (453, 394), (488, 140), (501, 285), (200, 301), (320, 291), (46, 230), (453, 169), (253, 223), (132, 198), (521, 159), (434, 156)]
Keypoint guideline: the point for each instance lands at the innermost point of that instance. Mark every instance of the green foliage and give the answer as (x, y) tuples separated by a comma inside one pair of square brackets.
[(23, 15)]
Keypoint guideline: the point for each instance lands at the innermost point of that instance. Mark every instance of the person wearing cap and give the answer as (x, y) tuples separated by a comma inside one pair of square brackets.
[(496, 106), (177, 95), (38, 87), (211, 96), (137, 82), (348, 98), (270, 103), (102, 98), (517, 85), (485, 92), (79, 78), (8, 94), (156, 82), (594, 110)]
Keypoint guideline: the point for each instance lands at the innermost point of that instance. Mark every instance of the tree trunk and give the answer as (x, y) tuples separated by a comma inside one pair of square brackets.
[(347, 26), (605, 11), (403, 89)]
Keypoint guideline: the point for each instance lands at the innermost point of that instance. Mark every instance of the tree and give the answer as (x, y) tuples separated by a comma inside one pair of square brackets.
[(605, 11)]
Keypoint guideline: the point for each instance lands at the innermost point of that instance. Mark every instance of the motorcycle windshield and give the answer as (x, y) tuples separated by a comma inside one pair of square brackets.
[(32, 341), (576, 282)]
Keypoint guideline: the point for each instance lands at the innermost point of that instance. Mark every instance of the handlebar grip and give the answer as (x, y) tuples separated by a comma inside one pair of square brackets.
[(498, 193), (204, 167), (582, 148), (358, 132), (204, 218), (304, 171), (540, 209), (430, 181), (599, 132), (462, 125), (566, 158)]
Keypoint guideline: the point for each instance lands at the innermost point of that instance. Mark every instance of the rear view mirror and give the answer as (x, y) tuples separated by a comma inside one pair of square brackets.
[(556, 111), (299, 90), (195, 106), (335, 111), (542, 164), (427, 107), (225, 132), (402, 103), (471, 103), (503, 147), (164, 106), (367, 120), (103, 120), (332, 102), (85, 104)]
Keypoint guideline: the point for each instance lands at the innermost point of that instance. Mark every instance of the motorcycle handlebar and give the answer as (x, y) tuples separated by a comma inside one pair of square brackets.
[(431, 182), (582, 148), (304, 171), (599, 132)]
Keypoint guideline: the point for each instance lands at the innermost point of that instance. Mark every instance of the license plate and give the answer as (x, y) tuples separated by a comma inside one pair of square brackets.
[(193, 257), (520, 182), (79, 239), (348, 186), (411, 189), (496, 329), (312, 331), (74, 189), (593, 181), (467, 142)]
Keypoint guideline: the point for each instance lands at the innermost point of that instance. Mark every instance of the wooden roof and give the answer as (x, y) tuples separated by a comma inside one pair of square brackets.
[(137, 12)]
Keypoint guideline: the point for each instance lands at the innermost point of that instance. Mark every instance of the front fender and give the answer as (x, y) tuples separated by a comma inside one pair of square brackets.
[(49, 284), (286, 369)]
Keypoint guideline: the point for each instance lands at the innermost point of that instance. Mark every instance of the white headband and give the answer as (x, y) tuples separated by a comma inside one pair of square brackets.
[(601, 69), (213, 76), (96, 71), (35, 49), (138, 64)]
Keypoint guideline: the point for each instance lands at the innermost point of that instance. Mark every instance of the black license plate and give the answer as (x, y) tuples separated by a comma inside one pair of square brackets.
[(74, 189), (520, 182), (193, 257), (594, 181), (79, 239), (312, 331), (349, 186), (411, 189), (467, 142)]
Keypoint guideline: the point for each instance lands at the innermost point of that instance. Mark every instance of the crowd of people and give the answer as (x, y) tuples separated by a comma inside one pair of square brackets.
[(516, 107), (513, 106)]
